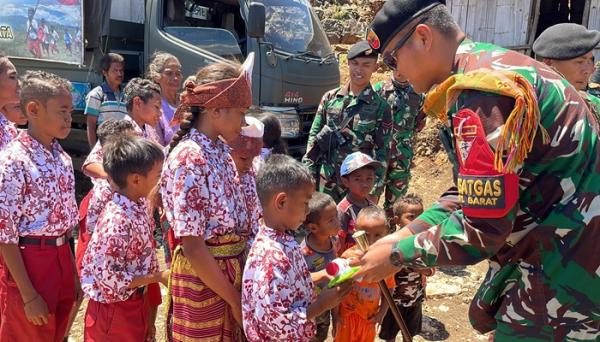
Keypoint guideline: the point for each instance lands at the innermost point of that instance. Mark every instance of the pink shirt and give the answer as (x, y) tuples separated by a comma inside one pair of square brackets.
[(276, 290), (37, 190), (201, 190), (120, 250)]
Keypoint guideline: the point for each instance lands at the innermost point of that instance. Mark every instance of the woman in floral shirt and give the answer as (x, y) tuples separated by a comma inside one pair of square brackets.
[(205, 207)]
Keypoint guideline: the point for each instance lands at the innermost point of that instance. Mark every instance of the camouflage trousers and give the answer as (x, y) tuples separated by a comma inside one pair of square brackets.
[(398, 176), (329, 183), (506, 332), (514, 322)]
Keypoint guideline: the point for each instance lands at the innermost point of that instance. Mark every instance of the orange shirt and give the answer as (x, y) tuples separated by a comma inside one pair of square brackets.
[(364, 298)]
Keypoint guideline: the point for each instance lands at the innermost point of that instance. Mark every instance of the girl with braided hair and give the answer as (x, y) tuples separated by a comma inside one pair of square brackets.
[(205, 206)]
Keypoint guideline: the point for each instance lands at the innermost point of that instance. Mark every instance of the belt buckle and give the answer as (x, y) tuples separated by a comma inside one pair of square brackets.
[(61, 240)]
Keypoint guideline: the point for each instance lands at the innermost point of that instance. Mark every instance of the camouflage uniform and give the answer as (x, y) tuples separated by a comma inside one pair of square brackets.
[(543, 280), (593, 100), (406, 117), (367, 132)]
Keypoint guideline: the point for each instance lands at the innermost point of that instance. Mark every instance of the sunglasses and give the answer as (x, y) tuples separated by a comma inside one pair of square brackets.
[(389, 58)]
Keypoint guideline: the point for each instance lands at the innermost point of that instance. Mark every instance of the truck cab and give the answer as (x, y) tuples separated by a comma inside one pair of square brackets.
[(294, 62)]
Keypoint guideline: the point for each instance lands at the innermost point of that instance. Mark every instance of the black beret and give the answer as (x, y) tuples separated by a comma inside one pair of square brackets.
[(565, 41), (361, 49), (393, 17)]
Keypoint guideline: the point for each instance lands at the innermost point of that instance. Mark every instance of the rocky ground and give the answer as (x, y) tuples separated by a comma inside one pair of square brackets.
[(345, 21)]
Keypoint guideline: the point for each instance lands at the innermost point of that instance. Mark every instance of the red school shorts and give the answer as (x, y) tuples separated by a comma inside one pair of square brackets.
[(124, 321), (50, 270)]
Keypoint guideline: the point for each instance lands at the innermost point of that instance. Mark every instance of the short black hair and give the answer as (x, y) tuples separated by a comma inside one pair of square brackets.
[(107, 60), (404, 201), (318, 202), (441, 18), (143, 88), (40, 85), (281, 173), (112, 128), (374, 212), (127, 155)]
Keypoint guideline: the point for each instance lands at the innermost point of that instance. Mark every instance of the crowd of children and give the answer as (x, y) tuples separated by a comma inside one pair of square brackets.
[(231, 200)]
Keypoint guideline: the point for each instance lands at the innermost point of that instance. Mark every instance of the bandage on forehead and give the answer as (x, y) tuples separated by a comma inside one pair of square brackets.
[(228, 93)]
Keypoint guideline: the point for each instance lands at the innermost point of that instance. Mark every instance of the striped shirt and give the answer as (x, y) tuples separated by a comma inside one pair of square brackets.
[(105, 104)]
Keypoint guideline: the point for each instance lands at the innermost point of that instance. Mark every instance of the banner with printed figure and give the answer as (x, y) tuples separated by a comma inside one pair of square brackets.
[(50, 30)]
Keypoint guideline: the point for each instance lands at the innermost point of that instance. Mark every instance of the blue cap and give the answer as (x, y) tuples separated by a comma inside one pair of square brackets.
[(355, 161)]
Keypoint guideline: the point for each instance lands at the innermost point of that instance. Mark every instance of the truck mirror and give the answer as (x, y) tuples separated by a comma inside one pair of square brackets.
[(256, 20)]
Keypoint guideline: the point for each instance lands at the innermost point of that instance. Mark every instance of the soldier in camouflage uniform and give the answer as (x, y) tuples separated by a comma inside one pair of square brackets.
[(527, 196), (407, 119), (349, 119), (568, 48), (594, 85)]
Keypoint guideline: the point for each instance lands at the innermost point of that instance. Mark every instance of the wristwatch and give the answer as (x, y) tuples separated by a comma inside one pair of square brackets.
[(396, 256)]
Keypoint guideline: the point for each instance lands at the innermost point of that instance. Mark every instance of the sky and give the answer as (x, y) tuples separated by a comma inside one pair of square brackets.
[(51, 10)]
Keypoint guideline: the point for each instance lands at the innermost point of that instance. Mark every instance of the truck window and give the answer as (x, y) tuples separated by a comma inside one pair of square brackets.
[(209, 24), (292, 26), (223, 14)]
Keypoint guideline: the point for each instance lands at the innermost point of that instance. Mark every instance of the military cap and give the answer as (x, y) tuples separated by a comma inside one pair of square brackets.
[(393, 17), (565, 41), (361, 49)]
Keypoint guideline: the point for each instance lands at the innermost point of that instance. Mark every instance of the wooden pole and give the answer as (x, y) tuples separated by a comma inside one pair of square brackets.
[(363, 244)]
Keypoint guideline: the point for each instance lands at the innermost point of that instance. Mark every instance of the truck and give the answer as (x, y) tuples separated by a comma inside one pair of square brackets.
[(294, 62)]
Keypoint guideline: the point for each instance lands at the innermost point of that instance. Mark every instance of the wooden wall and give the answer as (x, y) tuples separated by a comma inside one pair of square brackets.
[(503, 22)]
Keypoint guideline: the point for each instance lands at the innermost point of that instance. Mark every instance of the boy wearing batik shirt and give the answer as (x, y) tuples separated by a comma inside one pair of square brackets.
[(37, 212), (120, 260), (277, 289)]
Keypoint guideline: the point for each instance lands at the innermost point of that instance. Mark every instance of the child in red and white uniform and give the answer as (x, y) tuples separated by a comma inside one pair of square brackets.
[(278, 301), (205, 207), (37, 213), (120, 259), (244, 149), (10, 113), (143, 103), (101, 192)]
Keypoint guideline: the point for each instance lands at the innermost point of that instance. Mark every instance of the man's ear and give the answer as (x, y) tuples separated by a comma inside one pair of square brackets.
[(281, 200), (424, 35)]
